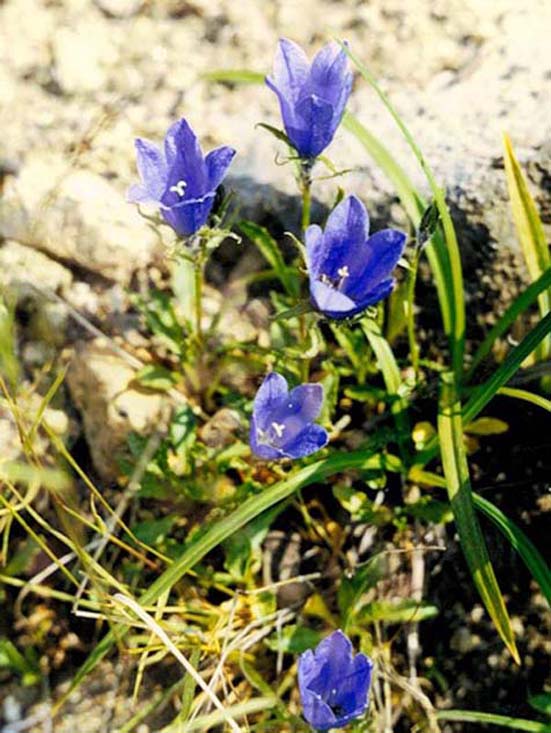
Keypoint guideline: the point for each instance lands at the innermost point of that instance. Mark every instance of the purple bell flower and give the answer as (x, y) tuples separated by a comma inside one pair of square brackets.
[(333, 683), (180, 179), (282, 425), (350, 270), (312, 97)]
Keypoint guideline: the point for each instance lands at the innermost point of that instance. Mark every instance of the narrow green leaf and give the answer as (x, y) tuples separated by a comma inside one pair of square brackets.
[(506, 369), (504, 721), (277, 133), (483, 394), (414, 205), (521, 304), (269, 249), (155, 377), (456, 471), (522, 394), (530, 232), (298, 310), (401, 611), (525, 547), (411, 200), (219, 532), (541, 702), (455, 299), (393, 381), (235, 76)]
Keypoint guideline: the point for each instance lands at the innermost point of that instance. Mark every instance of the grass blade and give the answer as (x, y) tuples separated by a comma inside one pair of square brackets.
[(235, 76), (526, 549), (393, 382), (456, 471), (272, 254), (507, 369), (522, 303), (455, 301), (522, 394), (414, 205), (483, 394), (530, 233), (218, 533), (504, 721)]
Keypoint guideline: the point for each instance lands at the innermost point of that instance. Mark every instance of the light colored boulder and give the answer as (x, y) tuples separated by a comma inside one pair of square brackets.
[(22, 267), (101, 387), (76, 216)]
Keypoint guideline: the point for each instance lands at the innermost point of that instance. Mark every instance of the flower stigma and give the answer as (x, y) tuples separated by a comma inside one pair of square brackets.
[(179, 188)]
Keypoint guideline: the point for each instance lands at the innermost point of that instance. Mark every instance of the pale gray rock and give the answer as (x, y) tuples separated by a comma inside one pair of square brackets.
[(78, 217), (24, 268), (100, 383)]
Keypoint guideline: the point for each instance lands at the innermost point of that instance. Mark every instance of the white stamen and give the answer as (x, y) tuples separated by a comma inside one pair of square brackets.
[(342, 272), (278, 428), (179, 188)]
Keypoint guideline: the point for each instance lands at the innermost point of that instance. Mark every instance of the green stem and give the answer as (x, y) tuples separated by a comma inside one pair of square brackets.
[(413, 345), (198, 299), (305, 182)]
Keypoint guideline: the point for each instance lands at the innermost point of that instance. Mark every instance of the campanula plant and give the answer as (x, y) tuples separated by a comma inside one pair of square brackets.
[(348, 269), (334, 683), (282, 424), (312, 96), (179, 179)]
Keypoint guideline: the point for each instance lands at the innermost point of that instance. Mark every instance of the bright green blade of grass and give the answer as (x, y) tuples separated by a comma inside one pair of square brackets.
[(393, 382), (522, 394), (235, 76), (454, 298), (530, 233), (483, 394), (507, 369), (411, 200), (503, 721), (528, 552), (269, 249), (522, 303), (456, 471), (526, 549), (414, 205), (223, 529)]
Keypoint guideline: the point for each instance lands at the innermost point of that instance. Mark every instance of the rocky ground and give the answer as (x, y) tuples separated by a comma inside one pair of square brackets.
[(80, 79)]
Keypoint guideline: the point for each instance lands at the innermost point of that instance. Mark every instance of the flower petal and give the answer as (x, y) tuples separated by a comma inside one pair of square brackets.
[(331, 302), (352, 695), (374, 262), (344, 236), (171, 143), (315, 129), (310, 440), (272, 392), (313, 238), (290, 72), (297, 411), (188, 165), (189, 215), (379, 292), (139, 194), (329, 74), (307, 399), (151, 167), (218, 161), (261, 449), (317, 712)]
